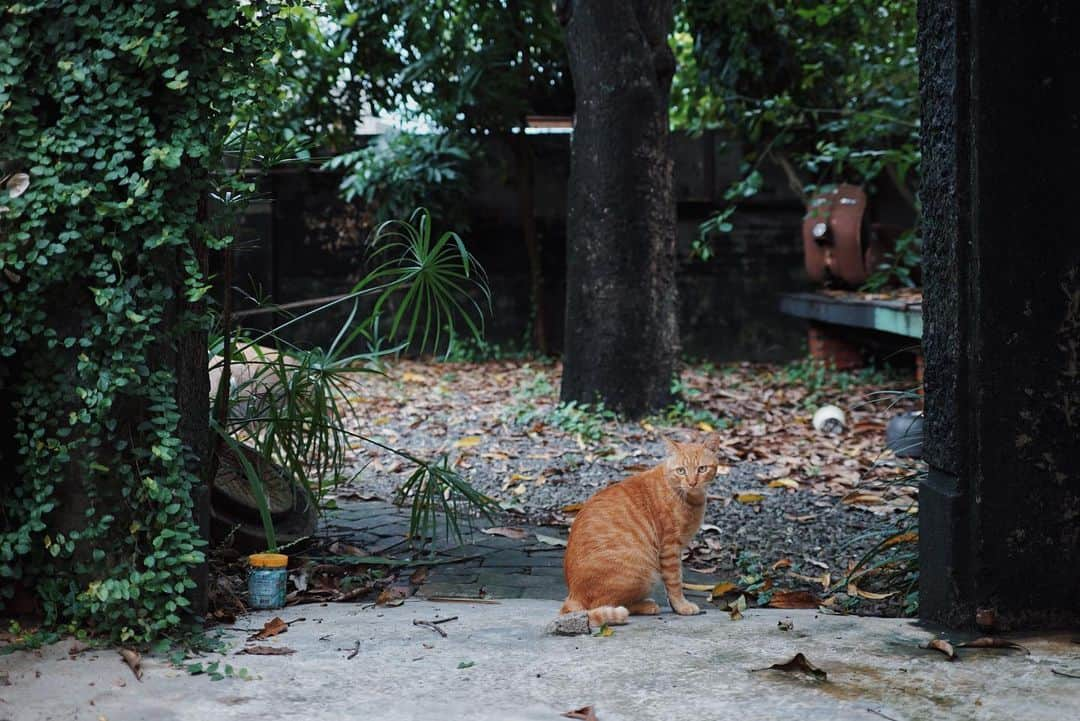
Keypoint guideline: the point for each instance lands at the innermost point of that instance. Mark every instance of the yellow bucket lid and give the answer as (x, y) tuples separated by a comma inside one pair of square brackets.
[(268, 560)]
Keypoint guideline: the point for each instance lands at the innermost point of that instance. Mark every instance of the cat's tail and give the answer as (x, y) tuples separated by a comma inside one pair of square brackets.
[(611, 615)]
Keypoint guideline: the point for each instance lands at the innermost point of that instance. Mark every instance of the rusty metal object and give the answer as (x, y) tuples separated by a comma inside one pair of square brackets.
[(841, 248)]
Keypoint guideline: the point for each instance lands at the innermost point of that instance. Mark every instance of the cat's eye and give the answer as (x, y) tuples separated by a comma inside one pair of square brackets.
[(681, 471), (703, 469)]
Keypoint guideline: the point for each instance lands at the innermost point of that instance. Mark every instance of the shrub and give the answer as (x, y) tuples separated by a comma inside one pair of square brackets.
[(119, 112)]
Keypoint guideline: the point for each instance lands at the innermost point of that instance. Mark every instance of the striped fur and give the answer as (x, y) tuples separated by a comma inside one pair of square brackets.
[(631, 533)]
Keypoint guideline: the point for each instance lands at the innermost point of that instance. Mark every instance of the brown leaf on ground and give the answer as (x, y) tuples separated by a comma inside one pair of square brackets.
[(993, 642), (940, 644), (782, 563), (572, 508), (824, 580), (585, 713), (749, 497), (722, 589), (908, 537), (271, 628), (507, 532), (391, 596), (339, 548), (862, 498), (794, 599), (267, 651), (134, 662), (854, 590), (419, 575), (798, 664)]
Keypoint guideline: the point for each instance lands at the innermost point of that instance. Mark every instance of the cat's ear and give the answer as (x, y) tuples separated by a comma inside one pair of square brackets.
[(713, 441), (671, 446)]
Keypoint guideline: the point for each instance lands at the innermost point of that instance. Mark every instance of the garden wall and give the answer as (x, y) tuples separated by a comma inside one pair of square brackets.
[(306, 243)]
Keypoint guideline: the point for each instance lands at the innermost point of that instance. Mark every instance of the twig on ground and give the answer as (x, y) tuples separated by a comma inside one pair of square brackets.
[(459, 599), (879, 713), (355, 651), (429, 624)]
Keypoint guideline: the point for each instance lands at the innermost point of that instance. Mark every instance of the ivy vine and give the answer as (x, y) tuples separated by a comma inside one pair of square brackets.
[(119, 112)]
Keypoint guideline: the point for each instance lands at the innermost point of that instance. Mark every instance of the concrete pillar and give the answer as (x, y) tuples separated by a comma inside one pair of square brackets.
[(1000, 510)]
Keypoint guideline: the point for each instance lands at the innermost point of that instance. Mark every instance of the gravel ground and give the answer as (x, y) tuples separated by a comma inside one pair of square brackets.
[(501, 428)]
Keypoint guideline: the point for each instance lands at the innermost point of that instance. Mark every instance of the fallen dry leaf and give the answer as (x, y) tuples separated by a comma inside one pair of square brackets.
[(854, 590), (605, 631), (908, 537), (585, 713), (468, 442), (862, 498), (736, 607), (749, 497), (940, 644), (785, 483), (722, 589), (507, 531), (339, 548), (271, 628), (391, 596), (572, 508), (794, 599), (697, 586), (266, 651), (798, 664), (782, 563), (993, 642), (824, 580), (134, 662), (550, 540)]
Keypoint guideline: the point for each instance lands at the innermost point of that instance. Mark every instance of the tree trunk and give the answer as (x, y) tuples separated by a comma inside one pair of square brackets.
[(622, 337)]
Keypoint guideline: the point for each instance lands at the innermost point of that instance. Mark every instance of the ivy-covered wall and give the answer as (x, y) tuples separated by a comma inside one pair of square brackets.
[(118, 111)]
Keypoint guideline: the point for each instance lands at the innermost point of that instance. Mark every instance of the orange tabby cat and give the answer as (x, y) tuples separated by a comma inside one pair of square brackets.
[(628, 533)]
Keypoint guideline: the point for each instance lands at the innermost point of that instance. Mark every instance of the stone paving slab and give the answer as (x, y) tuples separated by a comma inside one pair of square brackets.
[(498, 567)]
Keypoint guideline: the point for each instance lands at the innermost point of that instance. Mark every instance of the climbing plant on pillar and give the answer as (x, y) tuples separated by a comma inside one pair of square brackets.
[(119, 113)]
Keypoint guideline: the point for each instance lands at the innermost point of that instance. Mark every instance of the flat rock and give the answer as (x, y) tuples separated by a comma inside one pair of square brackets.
[(570, 624)]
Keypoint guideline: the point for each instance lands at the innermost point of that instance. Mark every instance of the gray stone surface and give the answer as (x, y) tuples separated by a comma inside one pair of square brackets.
[(655, 668)]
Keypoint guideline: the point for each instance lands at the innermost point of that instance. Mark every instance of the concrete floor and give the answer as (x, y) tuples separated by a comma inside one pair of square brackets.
[(655, 668)]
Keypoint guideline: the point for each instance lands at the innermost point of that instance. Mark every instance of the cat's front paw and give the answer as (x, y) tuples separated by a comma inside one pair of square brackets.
[(685, 608)]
